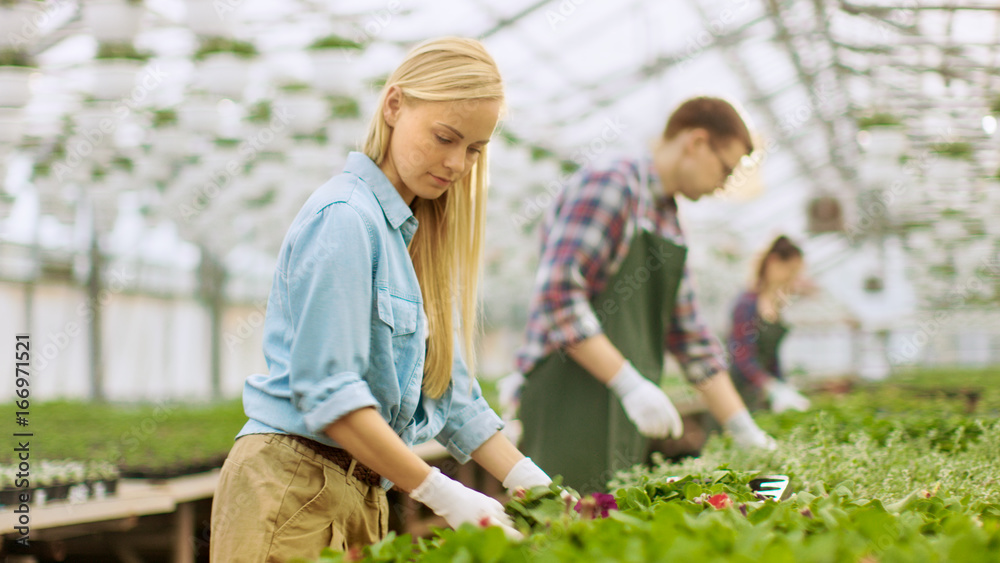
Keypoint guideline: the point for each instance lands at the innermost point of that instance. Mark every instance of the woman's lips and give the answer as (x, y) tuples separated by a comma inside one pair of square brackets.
[(440, 181)]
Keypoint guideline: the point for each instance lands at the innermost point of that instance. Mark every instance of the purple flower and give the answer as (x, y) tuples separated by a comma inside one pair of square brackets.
[(596, 504)]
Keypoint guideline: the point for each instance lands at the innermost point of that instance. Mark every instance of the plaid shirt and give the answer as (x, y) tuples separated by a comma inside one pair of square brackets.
[(743, 344), (585, 237)]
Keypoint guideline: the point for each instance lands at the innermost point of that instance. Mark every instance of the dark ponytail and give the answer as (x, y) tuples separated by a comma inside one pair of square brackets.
[(784, 249)]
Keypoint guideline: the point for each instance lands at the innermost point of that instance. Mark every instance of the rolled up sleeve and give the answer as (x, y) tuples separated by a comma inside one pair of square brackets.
[(585, 232), (470, 421), (330, 295)]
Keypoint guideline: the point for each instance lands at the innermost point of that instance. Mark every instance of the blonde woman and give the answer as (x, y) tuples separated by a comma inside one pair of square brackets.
[(360, 334)]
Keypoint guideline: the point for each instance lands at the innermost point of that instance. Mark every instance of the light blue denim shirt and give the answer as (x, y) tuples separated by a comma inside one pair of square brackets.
[(345, 326)]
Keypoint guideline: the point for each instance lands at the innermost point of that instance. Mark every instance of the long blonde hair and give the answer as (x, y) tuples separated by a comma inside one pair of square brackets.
[(447, 248)]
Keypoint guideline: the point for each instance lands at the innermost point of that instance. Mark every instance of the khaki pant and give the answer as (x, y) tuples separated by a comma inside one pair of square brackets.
[(277, 499)]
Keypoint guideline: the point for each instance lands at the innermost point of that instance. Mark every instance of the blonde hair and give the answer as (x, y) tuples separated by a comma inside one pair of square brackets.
[(447, 248)]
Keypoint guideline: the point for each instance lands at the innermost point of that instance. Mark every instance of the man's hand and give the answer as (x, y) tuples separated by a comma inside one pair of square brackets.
[(646, 405)]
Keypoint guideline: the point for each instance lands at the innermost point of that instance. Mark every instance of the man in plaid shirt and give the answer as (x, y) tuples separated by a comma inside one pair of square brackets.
[(587, 235)]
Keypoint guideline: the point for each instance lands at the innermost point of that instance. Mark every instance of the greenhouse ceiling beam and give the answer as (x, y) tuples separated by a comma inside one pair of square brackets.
[(749, 81), (509, 21), (784, 35), (630, 80), (882, 10)]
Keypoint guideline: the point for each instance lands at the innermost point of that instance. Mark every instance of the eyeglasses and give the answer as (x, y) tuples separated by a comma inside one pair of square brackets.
[(726, 169)]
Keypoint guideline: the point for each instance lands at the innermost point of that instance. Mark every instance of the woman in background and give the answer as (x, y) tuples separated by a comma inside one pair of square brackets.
[(757, 332)]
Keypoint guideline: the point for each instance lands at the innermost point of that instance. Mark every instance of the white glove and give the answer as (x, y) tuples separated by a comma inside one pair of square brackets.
[(646, 405), (527, 475), (784, 397), (458, 504), (746, 434)]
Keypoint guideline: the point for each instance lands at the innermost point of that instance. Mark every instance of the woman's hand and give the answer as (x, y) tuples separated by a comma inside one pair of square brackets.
[(458, 504)]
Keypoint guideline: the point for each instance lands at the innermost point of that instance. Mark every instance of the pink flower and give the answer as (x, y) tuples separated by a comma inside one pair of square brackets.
[(484, 522), (720, 501), (520, 493), (596, 504)]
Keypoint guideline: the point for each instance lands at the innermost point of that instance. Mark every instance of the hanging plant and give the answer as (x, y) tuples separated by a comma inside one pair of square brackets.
[(122, 163), (343, 107), (957, 150), (15, 57), (211, 45), (878, 119), (224, 143), (120, 51), (335, 42), (293, 87), (164, 118), (260, 112)]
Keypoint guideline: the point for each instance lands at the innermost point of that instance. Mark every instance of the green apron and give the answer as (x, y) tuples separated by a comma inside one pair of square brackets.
[(768, 341), (573, 425)]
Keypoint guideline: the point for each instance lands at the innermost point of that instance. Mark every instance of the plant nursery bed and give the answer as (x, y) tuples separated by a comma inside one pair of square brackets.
[(876, 476), (145, 440)]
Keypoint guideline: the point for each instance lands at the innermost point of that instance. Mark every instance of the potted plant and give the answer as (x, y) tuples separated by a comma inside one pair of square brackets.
[(332, 60), (115, 68), (112, 20), (224, 65), (102, 478), (16, 68), (9, 494)]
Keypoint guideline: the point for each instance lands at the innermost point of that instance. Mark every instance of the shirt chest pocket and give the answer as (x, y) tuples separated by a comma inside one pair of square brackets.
[(399, 313)]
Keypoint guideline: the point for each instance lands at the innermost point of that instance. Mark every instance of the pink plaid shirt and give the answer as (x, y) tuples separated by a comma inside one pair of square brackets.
[(586, 235)]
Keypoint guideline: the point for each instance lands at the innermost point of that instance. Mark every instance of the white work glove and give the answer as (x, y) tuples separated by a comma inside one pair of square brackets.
[(646, 405), (458, 504), (783, 397), (746, 434), (526, 475)]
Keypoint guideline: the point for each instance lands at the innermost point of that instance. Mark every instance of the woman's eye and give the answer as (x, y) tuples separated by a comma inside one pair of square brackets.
[(442, 140), (475, 150)]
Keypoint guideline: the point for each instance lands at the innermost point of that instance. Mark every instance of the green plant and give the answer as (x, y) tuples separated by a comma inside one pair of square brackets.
[(120, 50), (227, 143), (164, 118), (335, 42), (295, 87), (956, 150), (995, 106), (208, 46), (123, 163), (342, 107), (15, 57), (878, 119), (259, 112)]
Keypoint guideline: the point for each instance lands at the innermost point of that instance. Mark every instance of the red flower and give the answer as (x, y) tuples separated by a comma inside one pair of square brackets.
[(596, 504), (485, 522), (720, 501)]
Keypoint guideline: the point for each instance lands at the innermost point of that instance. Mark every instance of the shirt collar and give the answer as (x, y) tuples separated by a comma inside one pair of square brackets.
[(395, 209), (661, 201)]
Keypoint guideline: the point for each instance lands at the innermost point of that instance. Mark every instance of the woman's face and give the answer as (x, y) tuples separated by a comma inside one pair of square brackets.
[(434, 144), (782, 273)]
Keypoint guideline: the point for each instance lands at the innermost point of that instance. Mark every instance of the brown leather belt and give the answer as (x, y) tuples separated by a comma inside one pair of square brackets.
[(342, 458)]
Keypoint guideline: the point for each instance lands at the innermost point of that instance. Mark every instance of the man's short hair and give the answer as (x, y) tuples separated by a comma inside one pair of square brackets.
[(715, 115)]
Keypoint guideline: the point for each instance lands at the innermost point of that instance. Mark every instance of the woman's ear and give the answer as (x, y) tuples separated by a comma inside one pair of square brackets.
[(392, 106)]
